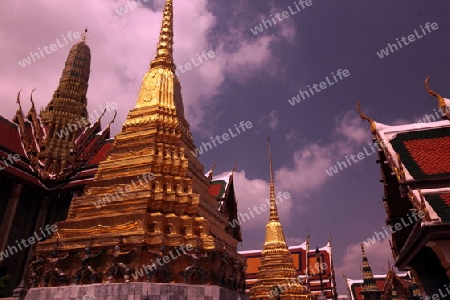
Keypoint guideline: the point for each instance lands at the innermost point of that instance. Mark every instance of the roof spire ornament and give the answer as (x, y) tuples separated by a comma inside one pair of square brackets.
[(31, 97), (373, 127), (18, 98), (441, 101), (164, 50)]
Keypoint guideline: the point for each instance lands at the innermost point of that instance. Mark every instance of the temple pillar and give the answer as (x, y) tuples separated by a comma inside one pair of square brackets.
[(21, 291), (10, 213)]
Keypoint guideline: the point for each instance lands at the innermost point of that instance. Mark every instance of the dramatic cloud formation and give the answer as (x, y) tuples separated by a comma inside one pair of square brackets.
[(314, 158)]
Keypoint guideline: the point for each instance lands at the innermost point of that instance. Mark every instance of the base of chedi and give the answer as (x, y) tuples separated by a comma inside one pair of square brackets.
[(135, 291)]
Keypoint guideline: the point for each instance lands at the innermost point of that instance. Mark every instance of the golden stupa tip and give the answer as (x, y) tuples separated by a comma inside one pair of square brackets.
[(164, 49), (273, 204)]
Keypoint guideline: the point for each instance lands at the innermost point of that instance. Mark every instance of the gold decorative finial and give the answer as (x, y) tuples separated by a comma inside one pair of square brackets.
[(373, 127), (234, 167), (31, 98), (330, 238), (18, 97), (84, 38), (164, 50), (309, 235), (441, 101), (114, 118), (273, 204)]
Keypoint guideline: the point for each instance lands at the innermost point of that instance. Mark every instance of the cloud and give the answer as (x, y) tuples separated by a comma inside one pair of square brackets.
[(314, 158), (271, 119), (291, 135)]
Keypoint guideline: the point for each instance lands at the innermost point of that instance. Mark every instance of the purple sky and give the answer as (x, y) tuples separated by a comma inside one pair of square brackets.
[(251, 79)]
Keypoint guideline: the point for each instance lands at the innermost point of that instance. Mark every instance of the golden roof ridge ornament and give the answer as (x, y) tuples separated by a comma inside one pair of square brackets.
[(31, 98), (441, 102), (18, 98), (164, 50), (373, 127), (273, 205)]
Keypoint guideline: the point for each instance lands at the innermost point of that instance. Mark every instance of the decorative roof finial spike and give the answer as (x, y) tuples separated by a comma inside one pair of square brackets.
[(164, 49), (441, 102), (31, 97), (18, 97), (373, 127), (273, 204), (234, 167)]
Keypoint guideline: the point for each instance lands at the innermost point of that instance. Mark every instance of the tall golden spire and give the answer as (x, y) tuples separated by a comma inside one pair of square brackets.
[(277, 274), (161, 88), (273, 204), (164, 50)]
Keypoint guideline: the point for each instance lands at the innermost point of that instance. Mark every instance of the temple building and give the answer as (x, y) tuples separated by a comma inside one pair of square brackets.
[(415, 173), (46, 159), (276, 277), (116, 205), (390, 286), (317, 277)]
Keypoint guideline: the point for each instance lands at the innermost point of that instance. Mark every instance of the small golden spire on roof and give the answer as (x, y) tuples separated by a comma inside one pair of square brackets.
[(441, 101), (373, 127)]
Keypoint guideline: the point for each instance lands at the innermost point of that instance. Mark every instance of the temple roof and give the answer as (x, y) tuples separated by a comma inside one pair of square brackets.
[(423, 149), (23, 170), (356, 286)]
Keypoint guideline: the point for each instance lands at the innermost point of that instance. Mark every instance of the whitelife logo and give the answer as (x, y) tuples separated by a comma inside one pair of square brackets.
[(284, 15), (84, 122), (49, 230), (225, 137), (49, 49), (411, 38), (379, 236), (263, 207), (319, 87), (162, 261)]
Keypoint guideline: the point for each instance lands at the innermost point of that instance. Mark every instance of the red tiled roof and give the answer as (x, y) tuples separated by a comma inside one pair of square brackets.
[(431, 154), (445, 198), (10, 137), (424, 153), (102, 153)]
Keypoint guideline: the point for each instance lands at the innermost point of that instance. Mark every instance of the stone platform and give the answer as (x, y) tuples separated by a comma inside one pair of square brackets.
[(134, 291)]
